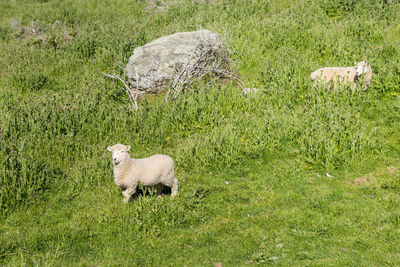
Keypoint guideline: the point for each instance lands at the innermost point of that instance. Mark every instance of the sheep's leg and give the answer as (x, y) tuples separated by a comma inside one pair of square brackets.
[(128, 193), (159, 189), (174, 188)]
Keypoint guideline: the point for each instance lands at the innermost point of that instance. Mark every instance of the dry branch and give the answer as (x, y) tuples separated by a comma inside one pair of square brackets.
[(132, 94)]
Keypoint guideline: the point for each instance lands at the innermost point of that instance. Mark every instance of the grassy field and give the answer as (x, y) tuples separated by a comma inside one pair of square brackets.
[(291, 175)]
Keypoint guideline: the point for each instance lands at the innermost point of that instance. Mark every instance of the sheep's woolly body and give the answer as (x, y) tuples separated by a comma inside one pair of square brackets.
[(149, 171), (335, 73), (344, 75), (154, 170)]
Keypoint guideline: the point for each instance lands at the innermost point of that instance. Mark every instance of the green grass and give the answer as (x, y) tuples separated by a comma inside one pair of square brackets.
[(252, 169)]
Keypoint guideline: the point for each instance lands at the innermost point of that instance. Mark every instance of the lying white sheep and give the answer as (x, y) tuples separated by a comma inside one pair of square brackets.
[(350, 75), (157, 170)]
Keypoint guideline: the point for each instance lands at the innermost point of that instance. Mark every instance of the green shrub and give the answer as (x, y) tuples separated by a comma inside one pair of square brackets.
[(84, 48), (4, 33), (333, 132), (338, 8), (24, 176), (30, 81)]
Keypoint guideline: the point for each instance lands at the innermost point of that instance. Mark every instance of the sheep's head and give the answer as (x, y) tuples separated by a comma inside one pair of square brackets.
[(119, 153), (361, 68)]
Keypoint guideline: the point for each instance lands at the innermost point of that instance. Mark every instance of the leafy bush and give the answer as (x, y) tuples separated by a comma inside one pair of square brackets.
[(84, 48), (334, 133), (30, 81), (4, 33), (24, 177), (338, 8)]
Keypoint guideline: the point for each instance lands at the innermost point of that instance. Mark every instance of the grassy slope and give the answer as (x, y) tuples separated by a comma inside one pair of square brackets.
[(58, 200)]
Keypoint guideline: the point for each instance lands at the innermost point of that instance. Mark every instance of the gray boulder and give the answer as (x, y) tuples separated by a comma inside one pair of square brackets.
[(155, 65)]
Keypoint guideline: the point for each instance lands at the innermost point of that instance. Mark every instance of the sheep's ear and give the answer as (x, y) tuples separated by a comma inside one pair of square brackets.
[(109, 148), (127, 148)]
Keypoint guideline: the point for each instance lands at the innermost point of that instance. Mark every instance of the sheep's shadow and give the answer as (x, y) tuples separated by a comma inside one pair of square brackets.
[(150, 191)]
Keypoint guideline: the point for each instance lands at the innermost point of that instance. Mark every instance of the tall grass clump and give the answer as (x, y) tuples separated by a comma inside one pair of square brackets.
[(333, 133), (24, 177)]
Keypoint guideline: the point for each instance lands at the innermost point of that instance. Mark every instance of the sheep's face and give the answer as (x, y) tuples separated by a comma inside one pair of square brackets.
[(361, 68), (119, 153)]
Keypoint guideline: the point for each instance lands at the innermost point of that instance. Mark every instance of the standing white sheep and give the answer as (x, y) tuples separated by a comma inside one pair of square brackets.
[(349, 75), (157, 170)]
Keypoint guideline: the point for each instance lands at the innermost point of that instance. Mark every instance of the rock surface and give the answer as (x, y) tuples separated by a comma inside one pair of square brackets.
[(152, 67)]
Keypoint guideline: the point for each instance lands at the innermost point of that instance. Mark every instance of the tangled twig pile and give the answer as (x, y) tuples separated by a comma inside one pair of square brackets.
[(35, 29), (205, 60), (37, 33)]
